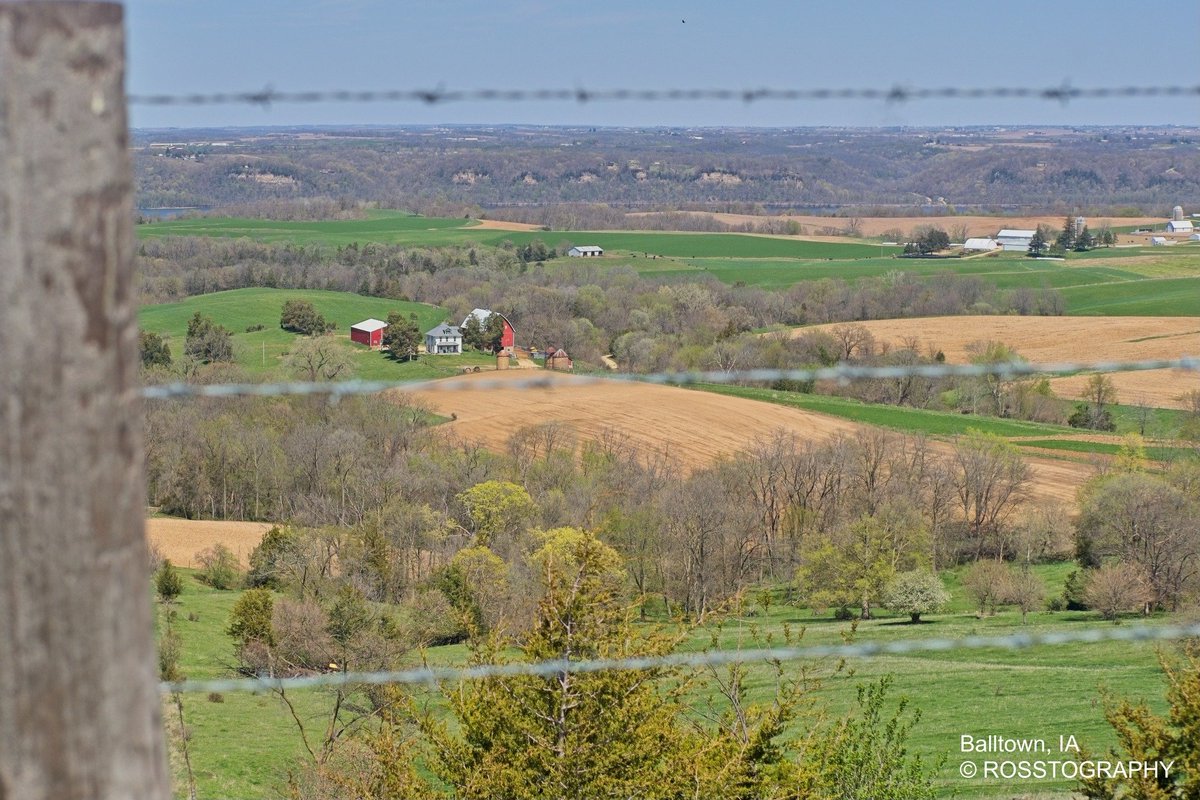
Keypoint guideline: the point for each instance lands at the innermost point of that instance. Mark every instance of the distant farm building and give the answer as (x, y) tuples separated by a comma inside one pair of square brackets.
[(1014, 239), (368, 332), (1195, 237), (443, 340), (558, 359), (508, 339), (980, 243), (1180, 226), (585, 251), (1158, 241)]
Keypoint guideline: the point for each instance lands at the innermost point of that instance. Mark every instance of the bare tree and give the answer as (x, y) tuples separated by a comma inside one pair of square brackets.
[(990, 478), (319, 358), (852, 341), (1116, 588)]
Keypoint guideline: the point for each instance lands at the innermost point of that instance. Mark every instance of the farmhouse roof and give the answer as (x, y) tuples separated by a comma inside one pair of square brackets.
[(1015, 233), (979, 243), (370, 325), (444, 330), (1178, 225), (588, 248)]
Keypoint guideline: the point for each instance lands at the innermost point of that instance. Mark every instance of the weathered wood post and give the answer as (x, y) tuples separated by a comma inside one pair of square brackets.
[(79, 706)]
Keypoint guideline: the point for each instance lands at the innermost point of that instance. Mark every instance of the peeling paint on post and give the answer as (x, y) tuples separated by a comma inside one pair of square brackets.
[(79, 705)]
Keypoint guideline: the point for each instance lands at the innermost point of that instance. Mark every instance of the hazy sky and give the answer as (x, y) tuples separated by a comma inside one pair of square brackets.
[(178, 46)]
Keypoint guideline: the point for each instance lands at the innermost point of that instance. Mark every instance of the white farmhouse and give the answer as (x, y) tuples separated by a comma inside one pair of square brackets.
[(1014, 239), (444, 339), (585, 251)]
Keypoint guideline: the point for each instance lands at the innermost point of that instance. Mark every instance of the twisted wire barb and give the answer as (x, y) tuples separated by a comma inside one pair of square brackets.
[(550, 380), (432, 675), (268, 96)]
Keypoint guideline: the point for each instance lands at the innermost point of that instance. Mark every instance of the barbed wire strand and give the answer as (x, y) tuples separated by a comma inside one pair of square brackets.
[(895, 94), (551, 380), (432, 675)]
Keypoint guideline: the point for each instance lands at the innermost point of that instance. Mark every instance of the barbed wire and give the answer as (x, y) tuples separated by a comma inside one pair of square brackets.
[(710, 658), (896, 94), (551, 380)]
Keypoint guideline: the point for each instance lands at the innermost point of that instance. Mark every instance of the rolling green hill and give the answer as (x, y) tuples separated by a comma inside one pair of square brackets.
[(260, 352)]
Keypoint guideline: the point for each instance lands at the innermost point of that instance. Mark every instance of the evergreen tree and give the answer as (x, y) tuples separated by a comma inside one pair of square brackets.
[(154, 350), (1037, 245), (1066, 237), (207, 341), (1084, 241)]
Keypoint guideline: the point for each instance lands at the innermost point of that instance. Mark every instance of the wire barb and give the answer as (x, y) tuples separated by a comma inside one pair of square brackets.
[(432, 675), (896, 94), (545, 380)]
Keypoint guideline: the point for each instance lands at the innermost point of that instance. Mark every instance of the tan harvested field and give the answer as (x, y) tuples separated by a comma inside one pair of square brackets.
[(1050, 339), (694, 427), (503, 225), (875, 226), (181, 539)]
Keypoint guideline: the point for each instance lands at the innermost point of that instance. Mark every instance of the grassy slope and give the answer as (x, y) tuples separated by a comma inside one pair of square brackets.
[(238, 309), (398, 228), (947, 423), (241, 747), (1148, 280)]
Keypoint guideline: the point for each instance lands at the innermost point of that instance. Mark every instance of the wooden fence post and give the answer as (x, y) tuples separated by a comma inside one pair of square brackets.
[(79, 704)]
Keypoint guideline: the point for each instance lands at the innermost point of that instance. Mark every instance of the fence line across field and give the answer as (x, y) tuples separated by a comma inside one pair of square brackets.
[(893, 94), (428, 675), (841, 373)]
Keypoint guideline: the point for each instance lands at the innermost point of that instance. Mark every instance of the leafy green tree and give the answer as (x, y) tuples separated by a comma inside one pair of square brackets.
[(867, 755), (915, 593), (269, 559), (1146, 737), (154, 349), (402, 337), (300, 316), (250, 618), (854, 566), (219, 567), (206, 341), (495, 509), (349, 616), (168, 582), (577, 735)]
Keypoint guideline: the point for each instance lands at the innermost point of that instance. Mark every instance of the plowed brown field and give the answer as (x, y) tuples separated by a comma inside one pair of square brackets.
[(1051, 339), (694, 427), (181, 539)]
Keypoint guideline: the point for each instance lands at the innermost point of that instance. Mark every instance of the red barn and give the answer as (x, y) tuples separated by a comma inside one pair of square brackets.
[(368, 332), (508, 339)]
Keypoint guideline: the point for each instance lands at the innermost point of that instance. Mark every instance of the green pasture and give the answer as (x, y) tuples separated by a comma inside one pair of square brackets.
[(395, 227), (243, 745), (1105, 281), (260, 353), (899, 418), (1162, 423)]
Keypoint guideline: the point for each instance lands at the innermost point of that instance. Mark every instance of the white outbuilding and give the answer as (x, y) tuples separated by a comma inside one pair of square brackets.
[(981, 243), (1180, 226), (1158, 241), (585, 251), (1015, 239)]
